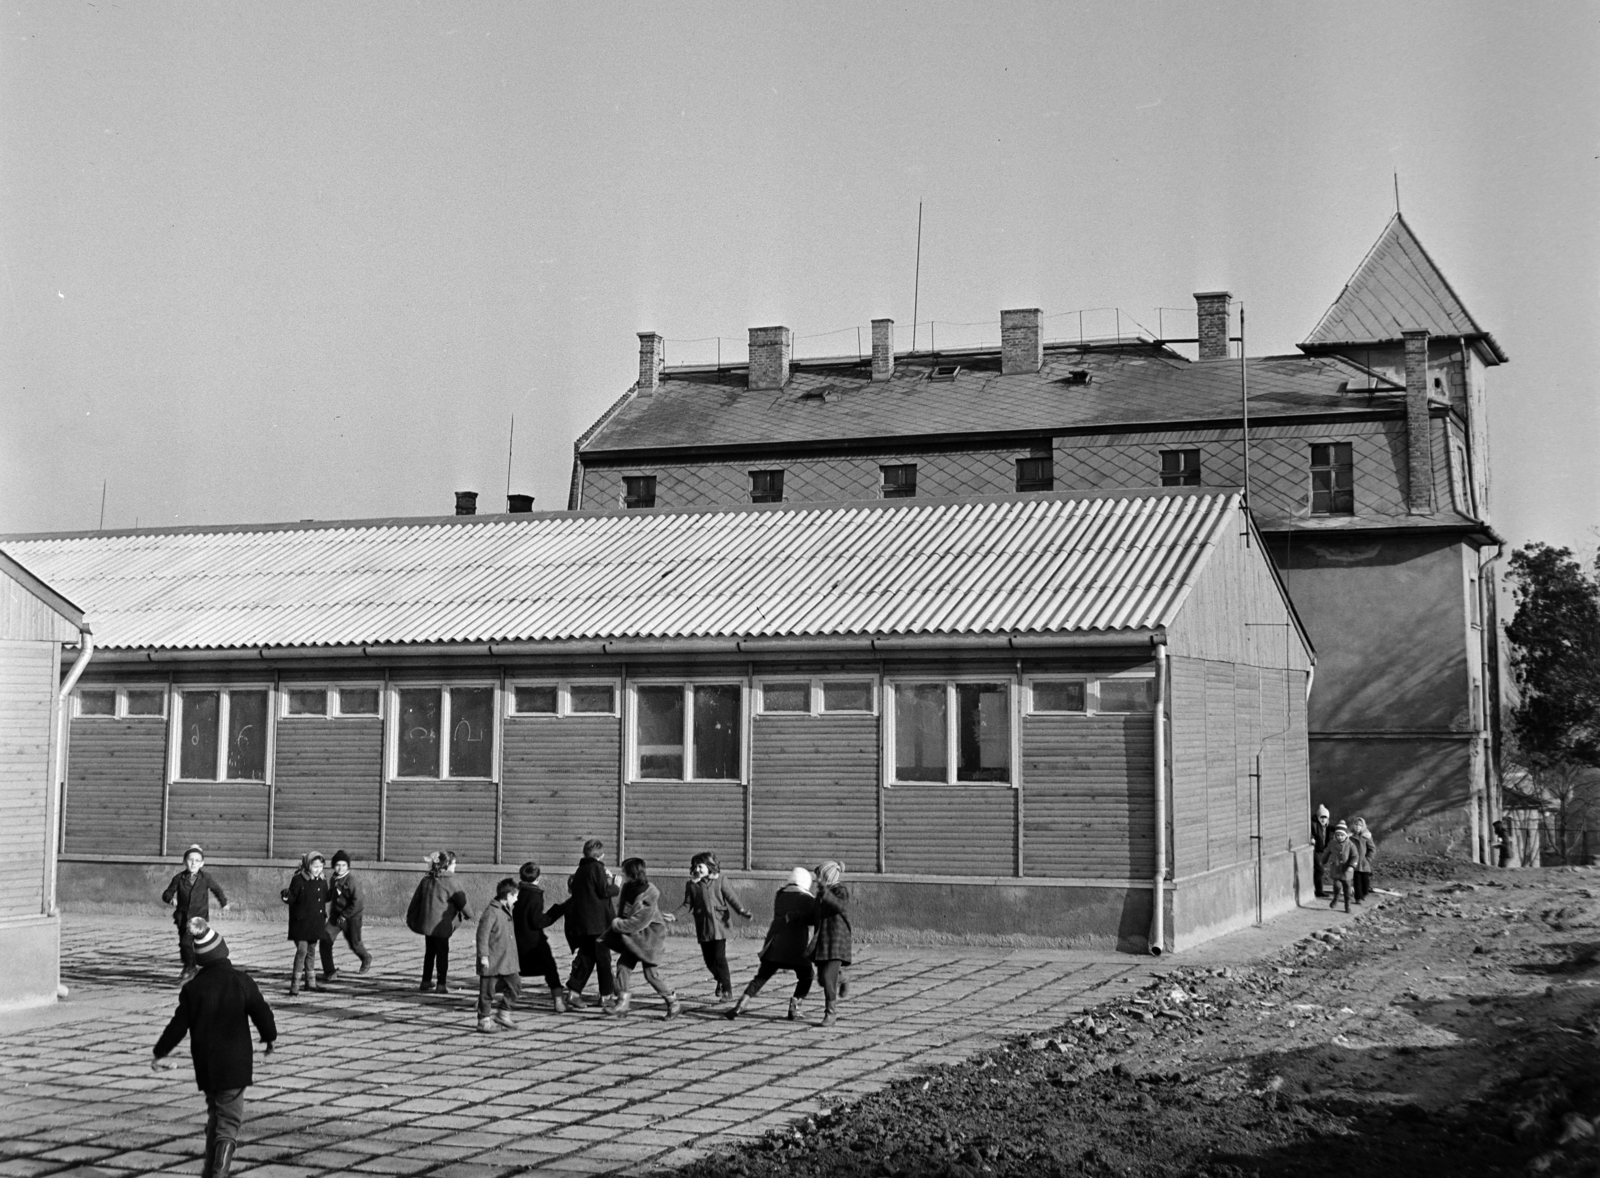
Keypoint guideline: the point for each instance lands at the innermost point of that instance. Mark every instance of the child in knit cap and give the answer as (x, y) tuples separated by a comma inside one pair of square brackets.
[(344, 915), (499, 985), (1340, 864), (307, 898), (794, 911), (530, 918), (190, 892), (710, 900)]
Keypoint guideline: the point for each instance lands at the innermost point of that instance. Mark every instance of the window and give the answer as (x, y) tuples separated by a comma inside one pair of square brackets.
[(97, 702), (639, 490), (306, 702), (847, 695), (1059, 695), (1126, 695), (1113, 695), (786, 697), (766, 486), (1036, 473), (591, 699), (444, 732), (1332, 479), (127, 702), (140, 701), (810, 697), (688, 731), (323, 702), (358, 701), (535, 699), (899, 482), (223, 734), (952, 732), (1180, 468), (944, 372), (563, 698)]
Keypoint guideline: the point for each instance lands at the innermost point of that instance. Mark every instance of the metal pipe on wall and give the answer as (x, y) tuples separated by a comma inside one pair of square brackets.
[(1158, 892), (58, 768)]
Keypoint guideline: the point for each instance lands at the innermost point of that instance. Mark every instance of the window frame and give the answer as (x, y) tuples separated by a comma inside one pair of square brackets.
[(628, 499), (1180, 476), (1047, 483), (225, 693), (119, 703), (1332, 467), (391, 736), (1091, 692), (772, 477), (887, 708), (333, 706), (563, 697), (816, 705), (631, 728), (886, 490)]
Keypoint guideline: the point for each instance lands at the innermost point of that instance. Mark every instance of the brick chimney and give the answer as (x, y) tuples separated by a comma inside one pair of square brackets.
[(652, 358), (770, 348), (466, 503), (1419, 426), (1021, 340), (519, 504), (1212, 306), (882, 349)]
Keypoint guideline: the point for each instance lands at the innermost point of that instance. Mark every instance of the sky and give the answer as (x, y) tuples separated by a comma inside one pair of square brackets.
[(278, 261)]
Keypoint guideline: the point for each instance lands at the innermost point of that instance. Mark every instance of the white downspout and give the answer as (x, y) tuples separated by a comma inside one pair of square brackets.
[(58, 770), (1158, 903)]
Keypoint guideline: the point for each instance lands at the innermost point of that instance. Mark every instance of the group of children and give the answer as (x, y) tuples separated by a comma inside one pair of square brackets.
[(1342, 858)]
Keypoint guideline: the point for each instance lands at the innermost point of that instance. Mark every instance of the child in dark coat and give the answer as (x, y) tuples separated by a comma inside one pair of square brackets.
[(830, 952), (590, 909), (307, 898), (190, 892), (708, 897), (530, 918), (794, 911), (215, 1010), (344, 915), (1366, 852), (499, 984), (1339, 864), (639, 934), (437, 906)]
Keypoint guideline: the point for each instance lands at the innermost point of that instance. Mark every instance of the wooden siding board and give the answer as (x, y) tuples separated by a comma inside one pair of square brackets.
[(27, 695), (966, 829), (1089, 804), (224, 817), (561, 788), (815, 781), (1190, 814), (115, 773), (1222, 784), (428, 816), (671, 821), (329, 783)]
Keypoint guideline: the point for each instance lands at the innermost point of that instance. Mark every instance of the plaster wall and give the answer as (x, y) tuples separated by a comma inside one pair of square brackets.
[(30, 961)]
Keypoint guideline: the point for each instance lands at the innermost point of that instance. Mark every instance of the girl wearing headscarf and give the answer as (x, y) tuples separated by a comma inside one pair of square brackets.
[(437, 906), (830, 952), (307, 898), (794, 911)]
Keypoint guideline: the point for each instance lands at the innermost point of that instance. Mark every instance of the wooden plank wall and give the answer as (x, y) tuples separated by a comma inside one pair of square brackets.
[(1088, 796), (115, 772), (1224, 831), (670, 821), (27, 702), (560, 787), (224, 817), (428, 816), (328, 786), (816, 791), (952, 829)]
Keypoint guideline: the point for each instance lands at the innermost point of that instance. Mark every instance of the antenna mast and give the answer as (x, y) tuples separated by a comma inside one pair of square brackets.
[(1397, 192), (511, 446), (1244, 406), (103, 484), (916, 290)]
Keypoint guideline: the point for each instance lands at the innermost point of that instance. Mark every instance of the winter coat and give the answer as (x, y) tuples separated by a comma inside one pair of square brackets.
[(437, 906), (307, 897), (833, 925), (1340, 858), (530, 918), (344, 901), (1321, 836), (193, 895), (709, 900), (1366, 851), (640, 928), (497, 940), (794, 911), (590, 906), (215, 1009)]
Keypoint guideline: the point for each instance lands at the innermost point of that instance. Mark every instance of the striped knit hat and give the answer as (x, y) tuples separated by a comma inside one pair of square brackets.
[(208, 943)]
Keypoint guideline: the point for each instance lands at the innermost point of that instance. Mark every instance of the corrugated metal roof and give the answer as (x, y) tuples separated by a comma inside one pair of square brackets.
[(1041, 564), (1397, 288)]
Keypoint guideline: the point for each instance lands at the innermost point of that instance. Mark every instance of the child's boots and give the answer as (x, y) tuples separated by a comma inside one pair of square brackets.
[(737, 1008), (794, 1009), (674, 1007), (502, 1016), (559, 997), (486, 1025)]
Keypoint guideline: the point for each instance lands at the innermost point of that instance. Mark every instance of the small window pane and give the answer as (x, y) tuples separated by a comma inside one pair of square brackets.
[(97, 703), (358, 701), (899, 482), (766, 486), (1058, 695), (639, 490), (786, 697), (308, 703), (471, 732), (591, 699), (535, 700), (847, 696), (661, 733), (197, 759), (716, 732), (1127, 695), (418, 724), (247, 735), (1180, 468), (919, 732), (983, 735), (1036, 474), (147, 703)]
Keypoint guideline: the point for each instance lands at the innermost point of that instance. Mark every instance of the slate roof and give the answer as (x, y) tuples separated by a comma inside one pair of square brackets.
[(1037, 564), (1397, 288)]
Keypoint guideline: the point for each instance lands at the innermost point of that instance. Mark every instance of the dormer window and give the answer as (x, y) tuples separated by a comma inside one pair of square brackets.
[(944, 372), (639, 490), (1332, 479)]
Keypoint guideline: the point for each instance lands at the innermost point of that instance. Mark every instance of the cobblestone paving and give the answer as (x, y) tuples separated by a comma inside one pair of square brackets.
[(373, 1078)]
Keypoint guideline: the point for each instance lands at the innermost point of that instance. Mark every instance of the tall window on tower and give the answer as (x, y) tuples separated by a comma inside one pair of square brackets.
[(1332, 479), (1180, 468)]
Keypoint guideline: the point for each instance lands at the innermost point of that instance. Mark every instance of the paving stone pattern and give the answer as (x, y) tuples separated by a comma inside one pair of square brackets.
[(373, 1078)]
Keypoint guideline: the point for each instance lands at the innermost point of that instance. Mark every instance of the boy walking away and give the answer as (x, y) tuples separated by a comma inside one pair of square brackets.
[(344, 915), (190, 892), (437, 906), (1340, 864), (831, 950), (530, 918), (215, 1010), (638, 934), (1366, 852), (709, 899), (1321, 832), (499, 985), (794, 911), (590, 909), (307, 898)]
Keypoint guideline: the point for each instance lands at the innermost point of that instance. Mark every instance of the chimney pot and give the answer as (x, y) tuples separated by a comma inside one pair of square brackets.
[(1212, 306), (466, 503), (1419, 426), (652, 359), (882, 349), (1021, 340), (519, 504), (770, 349)]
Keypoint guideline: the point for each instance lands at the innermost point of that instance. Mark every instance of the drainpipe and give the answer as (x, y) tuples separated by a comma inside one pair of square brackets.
[(58, 770), (1158, 917)]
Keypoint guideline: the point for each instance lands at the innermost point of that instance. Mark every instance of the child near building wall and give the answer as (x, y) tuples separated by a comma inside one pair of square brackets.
[(437, 906), (794, 911), (499, 985), (190, 894), (530, 918), (710, 901), (1366, 852), (307, 898), (830, 951), (638, 934), (345, 908)]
